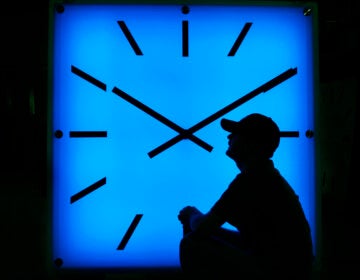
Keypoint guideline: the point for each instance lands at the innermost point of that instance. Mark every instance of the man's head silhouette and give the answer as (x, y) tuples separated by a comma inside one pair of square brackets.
[(258, 133)]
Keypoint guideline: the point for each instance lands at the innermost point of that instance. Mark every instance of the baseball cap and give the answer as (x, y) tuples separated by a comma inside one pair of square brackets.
[(259, 129)]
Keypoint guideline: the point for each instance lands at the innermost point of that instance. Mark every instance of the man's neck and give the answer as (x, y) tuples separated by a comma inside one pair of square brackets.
[(251, 164)]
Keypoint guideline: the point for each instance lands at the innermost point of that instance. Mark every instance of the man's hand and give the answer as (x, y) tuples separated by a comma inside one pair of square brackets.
[(194, 220), (186, 213)]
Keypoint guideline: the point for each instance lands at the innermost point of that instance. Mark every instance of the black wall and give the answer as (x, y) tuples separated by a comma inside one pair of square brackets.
[(23, 123)]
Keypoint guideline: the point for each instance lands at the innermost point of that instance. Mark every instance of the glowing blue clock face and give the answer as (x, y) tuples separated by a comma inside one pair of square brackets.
[(137, 96)]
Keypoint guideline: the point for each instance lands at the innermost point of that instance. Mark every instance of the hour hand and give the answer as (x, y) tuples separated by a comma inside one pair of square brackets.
[(183, 133)]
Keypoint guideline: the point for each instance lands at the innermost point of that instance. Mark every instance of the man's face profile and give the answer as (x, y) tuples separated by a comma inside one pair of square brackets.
[(237, 149)]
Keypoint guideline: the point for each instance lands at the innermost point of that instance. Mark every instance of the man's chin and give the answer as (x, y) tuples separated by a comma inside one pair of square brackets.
[(229, 154)]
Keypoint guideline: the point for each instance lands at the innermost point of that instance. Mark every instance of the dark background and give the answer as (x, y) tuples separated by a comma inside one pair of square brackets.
[(23, 122)]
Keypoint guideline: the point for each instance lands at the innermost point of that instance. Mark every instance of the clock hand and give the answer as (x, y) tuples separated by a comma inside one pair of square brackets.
[(263, 88), (183, 132)]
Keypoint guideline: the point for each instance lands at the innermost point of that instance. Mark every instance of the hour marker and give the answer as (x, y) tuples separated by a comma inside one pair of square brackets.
[(289, 134), (88, 190), (185, 38), (185, 9), (130, 231), (129, 37), (239, 39), (84, 134), (58, 134), (88, 78)]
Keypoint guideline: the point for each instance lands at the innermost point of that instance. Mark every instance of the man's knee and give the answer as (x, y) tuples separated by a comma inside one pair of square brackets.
[(187, 247), (193, 256)]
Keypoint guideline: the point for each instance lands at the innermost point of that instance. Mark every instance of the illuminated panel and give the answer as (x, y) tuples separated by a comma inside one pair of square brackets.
[(138, 94)]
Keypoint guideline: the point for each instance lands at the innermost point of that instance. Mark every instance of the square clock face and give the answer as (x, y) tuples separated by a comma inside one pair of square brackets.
[(136, 98)]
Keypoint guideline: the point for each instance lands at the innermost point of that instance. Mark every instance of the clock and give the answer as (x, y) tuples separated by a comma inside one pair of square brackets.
[(136, 96)]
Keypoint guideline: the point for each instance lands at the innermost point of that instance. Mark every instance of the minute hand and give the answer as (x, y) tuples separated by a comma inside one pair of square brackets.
[(263, 88)]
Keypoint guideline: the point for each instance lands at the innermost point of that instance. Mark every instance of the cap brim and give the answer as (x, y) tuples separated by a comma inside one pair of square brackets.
[(228, 125)]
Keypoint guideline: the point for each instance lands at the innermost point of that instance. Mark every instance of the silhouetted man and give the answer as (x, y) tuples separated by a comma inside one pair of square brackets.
[(273, 239)]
